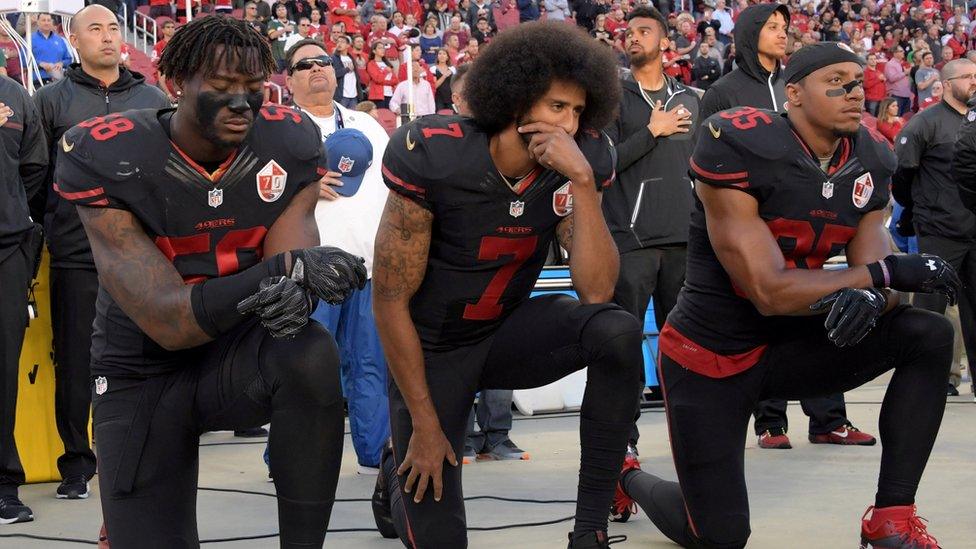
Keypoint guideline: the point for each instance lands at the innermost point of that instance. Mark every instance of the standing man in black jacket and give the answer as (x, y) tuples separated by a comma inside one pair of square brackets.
[(760, 46), (95, 87), (935, 180), (649, 209), (23, 161)]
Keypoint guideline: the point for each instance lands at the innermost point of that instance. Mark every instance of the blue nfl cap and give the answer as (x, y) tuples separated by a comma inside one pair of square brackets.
[(350, 154)]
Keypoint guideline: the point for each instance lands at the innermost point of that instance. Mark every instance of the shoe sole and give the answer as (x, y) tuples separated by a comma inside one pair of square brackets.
[(73, 496), (468, 460), (778, 447), (19, 518), (865, 443), (524, 456)]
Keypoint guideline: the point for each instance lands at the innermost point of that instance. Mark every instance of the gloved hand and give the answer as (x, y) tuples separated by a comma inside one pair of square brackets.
[(853, 313), (904, 226), (923, 273), (328, 272), (282, 305)]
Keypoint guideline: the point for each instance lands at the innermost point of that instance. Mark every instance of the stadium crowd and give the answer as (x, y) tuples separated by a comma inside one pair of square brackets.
[(345, 64)]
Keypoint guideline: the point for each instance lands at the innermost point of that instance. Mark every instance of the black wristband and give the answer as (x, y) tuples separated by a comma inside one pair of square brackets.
[(214, 301), (880, 274)]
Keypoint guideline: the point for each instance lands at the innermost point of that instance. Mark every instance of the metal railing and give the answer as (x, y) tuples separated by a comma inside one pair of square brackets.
[(276, 90), (147, 25)]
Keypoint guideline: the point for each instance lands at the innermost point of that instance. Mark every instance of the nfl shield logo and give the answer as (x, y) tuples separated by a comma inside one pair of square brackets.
[(828, 189), (562, 200), (346, 164), (271, 182), (215, 197), (863, 189), (101, 385), (516, 208)]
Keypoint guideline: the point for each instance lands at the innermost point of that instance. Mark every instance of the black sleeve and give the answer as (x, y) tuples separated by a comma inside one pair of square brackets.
[(964, 163), (34, 155), (339, 68), (602, 156), (405, 162), (717, 159), (630, 148), (76, 176), (712, 102)]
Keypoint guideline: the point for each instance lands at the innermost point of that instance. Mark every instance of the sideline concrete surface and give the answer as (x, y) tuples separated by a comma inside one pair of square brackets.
[(809, 497)]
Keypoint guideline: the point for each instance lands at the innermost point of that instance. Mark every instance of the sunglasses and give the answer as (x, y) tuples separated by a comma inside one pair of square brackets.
[(322, 61)]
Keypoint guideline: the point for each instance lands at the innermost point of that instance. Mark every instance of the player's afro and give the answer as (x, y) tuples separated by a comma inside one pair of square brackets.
[(195, 49), (521, 63)]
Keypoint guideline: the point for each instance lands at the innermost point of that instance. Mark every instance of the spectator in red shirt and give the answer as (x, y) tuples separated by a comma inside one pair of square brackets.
[(381, 34), (889, 123), (936, 96), (455, 29), (470, 53), (427, 75), (382, 79), (169, 28), (344, 11), (411, 6), (874, 85), (958, 41), (316, 26)]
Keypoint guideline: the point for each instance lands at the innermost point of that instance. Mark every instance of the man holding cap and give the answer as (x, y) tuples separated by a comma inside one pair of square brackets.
[(759, 318), (348, 213)]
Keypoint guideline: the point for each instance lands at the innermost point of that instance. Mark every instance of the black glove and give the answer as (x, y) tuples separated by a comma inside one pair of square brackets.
[(853, 313), (328, 272), (923, 273), (282, 305), (904, 226)]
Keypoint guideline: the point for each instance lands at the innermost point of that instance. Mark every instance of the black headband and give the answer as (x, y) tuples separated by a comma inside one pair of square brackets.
[(817, 56)]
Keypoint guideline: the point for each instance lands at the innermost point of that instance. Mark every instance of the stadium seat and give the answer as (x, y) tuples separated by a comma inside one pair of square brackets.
[(387, 119)]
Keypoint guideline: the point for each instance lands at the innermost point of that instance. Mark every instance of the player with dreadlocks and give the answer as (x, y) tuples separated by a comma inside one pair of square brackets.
[(202, 228)]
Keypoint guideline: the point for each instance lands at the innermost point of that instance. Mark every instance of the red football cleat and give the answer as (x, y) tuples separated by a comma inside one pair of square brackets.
[(845, 434), (895, 528), (624, 506), (774, 439)]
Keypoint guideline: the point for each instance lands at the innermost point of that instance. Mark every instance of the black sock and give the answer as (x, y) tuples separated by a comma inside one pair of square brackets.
[(602, 446)]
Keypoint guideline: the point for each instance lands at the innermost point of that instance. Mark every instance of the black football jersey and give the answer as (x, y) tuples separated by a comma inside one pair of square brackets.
[(489, 239), (207, 224), (812, 213)]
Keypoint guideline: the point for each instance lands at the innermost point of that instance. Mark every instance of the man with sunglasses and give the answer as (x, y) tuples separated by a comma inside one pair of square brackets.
[(928, 182), (348, 220)]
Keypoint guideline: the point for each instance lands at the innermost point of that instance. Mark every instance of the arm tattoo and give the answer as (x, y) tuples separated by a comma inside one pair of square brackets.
[(142, 282), (564, 233), (402, 244)]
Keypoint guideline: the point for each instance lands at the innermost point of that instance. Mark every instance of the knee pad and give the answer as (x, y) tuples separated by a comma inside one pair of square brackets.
[(615, 335), (306, 366)]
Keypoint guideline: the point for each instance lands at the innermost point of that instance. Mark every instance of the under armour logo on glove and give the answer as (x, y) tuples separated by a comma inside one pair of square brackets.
[(923, 273)]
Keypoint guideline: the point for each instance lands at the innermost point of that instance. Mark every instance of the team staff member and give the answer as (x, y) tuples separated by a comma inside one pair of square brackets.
[(95, 87), (23, 163), (928, 183), (760, 46), (743, 330), (208, 263), (351, 199), (475, 205), (648, 209)]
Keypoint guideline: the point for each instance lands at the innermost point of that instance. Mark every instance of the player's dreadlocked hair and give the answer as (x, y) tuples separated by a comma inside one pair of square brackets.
[(194, 48), (520, 64)]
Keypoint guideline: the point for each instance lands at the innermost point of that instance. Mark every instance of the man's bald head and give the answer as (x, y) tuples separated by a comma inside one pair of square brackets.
[(954, 68), (89, 13)]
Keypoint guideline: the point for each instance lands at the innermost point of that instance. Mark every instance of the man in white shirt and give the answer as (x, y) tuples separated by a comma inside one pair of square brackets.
[(724, 17), (423, 95), (348, 215), (304, 25), (347, 93)]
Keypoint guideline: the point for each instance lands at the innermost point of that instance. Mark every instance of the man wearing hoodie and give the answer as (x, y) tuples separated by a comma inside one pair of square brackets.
[(95, 87), (760, 45), (649, 207)]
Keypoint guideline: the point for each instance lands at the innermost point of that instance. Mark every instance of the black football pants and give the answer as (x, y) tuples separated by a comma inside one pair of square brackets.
[(543, 340), (240, 381), (647, 272), (73, 293), (15, 272), (962, 257), (708, 418)]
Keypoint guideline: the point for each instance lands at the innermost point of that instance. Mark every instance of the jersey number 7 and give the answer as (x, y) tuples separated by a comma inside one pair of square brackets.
[(494, 247)]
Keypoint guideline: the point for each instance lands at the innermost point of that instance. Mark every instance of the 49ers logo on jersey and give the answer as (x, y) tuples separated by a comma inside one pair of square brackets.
[(271, 182), (863, 189), (562, 200)]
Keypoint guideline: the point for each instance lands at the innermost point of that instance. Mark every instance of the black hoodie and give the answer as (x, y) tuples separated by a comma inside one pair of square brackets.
[(63, 104), (650, 202), (749, 85)]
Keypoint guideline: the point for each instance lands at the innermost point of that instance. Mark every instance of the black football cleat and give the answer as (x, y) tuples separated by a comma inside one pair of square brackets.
[(382, 509), (593, 540)]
